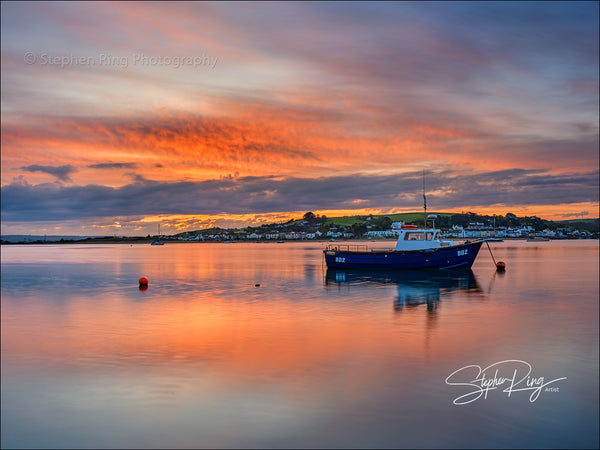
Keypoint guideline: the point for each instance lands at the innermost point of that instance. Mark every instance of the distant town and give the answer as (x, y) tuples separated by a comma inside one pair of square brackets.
[(372, 227)]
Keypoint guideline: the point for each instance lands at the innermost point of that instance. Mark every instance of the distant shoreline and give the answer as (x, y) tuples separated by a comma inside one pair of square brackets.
[(321, 228), (148, 241)]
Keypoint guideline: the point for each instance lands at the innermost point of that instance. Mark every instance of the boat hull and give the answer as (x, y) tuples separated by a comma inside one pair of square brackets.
[(462, 255)]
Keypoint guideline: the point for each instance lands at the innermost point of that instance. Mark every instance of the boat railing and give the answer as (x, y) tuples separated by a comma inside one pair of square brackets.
[(347, 248)]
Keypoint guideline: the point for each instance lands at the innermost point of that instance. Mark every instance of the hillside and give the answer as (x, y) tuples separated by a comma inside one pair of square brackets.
[(409, 218), (447, 220), (359, 224)]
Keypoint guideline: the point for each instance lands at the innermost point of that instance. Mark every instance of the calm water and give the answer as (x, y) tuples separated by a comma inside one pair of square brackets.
[(310, 358)]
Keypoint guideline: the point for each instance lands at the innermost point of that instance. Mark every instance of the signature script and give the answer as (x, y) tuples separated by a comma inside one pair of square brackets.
[(511, 375)]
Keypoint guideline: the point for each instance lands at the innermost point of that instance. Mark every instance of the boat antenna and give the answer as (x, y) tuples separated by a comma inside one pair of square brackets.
[(424, 199)]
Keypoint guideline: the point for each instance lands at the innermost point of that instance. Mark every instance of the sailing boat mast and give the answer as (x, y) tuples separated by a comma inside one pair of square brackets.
[(157, 240), (424, 199)]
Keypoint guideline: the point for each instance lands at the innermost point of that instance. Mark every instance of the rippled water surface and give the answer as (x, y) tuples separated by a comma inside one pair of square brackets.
[(259, 345)]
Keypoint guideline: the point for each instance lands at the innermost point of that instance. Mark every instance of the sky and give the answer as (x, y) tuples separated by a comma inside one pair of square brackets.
[(117, 117)]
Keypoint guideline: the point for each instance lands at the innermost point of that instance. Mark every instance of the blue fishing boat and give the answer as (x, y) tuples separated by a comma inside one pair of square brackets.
[(416, 248)]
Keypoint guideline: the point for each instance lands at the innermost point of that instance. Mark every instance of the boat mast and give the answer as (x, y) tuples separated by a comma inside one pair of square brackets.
[(424, 199)]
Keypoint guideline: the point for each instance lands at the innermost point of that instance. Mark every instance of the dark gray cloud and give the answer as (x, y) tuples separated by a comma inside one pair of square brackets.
[(46, 202), (61, 172), (113, 166)]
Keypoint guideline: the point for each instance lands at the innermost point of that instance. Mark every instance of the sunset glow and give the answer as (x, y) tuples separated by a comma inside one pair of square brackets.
[(120, 116)]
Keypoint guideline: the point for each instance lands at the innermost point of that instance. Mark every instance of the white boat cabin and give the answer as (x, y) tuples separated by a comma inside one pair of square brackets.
[(410, 237)]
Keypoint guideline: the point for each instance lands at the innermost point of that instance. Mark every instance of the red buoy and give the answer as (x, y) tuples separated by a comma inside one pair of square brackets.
[(500, 266), (143, 281)]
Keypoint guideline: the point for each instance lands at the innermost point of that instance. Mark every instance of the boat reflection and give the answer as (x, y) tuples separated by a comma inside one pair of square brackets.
[(415, 287)]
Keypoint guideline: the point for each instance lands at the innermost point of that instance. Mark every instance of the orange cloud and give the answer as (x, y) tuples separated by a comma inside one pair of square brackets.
[(253, 140)]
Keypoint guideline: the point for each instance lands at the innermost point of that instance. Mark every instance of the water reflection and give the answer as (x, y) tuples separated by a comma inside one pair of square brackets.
[(309, 358), (415, 287)]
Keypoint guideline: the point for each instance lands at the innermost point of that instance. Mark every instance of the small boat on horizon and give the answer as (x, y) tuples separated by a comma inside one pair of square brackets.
[(538, 239), (157, 241)]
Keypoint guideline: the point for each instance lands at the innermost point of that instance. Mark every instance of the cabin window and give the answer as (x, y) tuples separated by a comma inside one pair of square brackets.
[(414, 236), (429, 236)]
